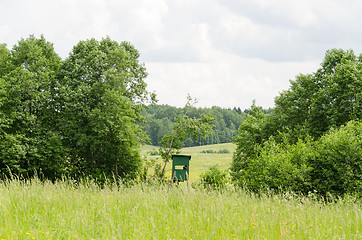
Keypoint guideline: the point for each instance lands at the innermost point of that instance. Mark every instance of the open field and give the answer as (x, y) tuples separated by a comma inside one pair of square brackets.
[(68, 210), (200, 162), (82, 210)]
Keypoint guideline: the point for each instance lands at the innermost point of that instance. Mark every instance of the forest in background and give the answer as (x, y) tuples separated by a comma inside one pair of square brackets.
[(161, 118)]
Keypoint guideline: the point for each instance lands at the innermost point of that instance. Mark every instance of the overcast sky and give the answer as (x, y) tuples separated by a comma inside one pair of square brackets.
[(222, 52)]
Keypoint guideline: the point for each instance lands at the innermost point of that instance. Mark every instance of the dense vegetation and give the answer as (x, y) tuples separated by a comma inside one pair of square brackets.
[(161, 118), (311, 141), (75, 116)]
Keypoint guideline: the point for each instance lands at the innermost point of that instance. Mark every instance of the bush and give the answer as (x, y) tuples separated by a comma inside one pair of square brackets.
[(214, 178), (208, 151), (329, 165), (154, 153), (221, 151), (337, 164), (278, 167)]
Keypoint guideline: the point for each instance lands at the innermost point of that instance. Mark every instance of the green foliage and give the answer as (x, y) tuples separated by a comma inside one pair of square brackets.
[(313, 105), (4, 56), (329, 165), (337, 162), (76, 116), (249, 137), (154, 153), (277, 167), (214, 178), (29, 141), (328, 98), (221, 151), (161, 118), (207, 151), (102, 91), (184, 127)]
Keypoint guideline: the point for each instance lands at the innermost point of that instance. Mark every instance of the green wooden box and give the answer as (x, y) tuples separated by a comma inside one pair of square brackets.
[(180, 166)]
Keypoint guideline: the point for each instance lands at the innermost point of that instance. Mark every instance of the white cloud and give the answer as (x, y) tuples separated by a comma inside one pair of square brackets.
[(224, 53), (231, 83), (4, 29)]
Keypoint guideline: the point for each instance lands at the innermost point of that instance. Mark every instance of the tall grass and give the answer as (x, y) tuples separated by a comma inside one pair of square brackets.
[(70, 210)]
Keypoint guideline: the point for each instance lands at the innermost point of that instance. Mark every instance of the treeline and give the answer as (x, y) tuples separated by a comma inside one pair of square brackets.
[(74, 117), (311, 141), (161, 118)]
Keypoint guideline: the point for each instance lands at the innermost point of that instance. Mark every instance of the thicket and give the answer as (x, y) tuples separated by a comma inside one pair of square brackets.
[(75, 116), (221, 151), (311, 140), (213, 179)]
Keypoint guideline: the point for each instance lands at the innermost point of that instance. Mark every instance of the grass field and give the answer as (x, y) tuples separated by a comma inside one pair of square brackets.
[(82, 210), (67, 210), (200, 162)]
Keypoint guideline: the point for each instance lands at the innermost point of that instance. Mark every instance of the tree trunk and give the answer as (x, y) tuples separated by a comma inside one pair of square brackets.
[(168, 154), (116, 167)]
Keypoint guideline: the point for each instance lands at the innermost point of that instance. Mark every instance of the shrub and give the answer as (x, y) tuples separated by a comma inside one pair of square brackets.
[(154, 153), (337, 164), (329, 165), (208, 151), (278, 167), (221, 151), (214, 178)]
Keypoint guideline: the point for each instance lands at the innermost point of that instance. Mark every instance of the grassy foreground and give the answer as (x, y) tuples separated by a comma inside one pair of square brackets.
[(65, 210)]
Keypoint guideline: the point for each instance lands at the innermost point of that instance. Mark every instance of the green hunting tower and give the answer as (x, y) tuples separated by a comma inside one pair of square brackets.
[(180, 168)]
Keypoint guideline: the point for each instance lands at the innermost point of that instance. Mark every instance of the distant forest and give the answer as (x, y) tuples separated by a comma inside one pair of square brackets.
[(161, 118)]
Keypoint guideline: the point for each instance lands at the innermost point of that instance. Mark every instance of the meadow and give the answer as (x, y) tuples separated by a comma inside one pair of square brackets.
[(200, 162), (69, 209)]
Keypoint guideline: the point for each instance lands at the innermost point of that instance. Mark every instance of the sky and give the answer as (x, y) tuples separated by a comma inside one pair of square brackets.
[(224, 53)]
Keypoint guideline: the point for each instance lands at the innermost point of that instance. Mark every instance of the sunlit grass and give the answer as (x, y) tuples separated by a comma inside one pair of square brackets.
[(66, 210), (200, 162)]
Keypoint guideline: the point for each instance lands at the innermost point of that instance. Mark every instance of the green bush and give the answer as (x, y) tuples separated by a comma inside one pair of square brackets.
[(337, 164), (329, 165), (207, 151), (154, 153), (214, 178), (221, 151), (277, 167)]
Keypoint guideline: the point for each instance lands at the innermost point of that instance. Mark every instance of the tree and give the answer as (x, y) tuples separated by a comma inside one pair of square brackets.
[(249, 138), (336, 166), (185, 126), (100, 98), (4, 56), (330, 165), (320, 101), (76, 116), (313, 105), (161, 118), (29, 141)]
